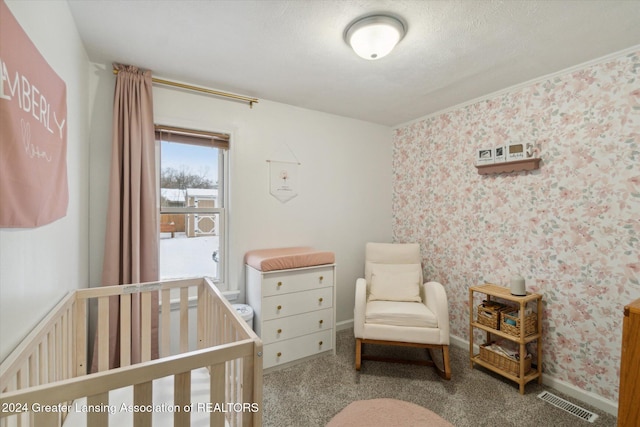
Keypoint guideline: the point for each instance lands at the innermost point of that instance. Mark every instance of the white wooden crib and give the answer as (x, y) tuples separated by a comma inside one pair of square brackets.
[(214, 381)]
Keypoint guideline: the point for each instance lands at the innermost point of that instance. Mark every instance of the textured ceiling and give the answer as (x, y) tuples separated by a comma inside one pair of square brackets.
[(293, 51)]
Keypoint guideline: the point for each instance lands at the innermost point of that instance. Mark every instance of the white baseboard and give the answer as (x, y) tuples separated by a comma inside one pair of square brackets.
[(460, 343), (345, 324), (587, 397), (231, 295)]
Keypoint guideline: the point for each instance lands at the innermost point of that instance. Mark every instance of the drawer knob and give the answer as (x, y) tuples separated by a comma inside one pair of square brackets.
[(321, 321), (279, 307), (279, 331), (320, 343), (279, 354), (319, 299), (279, 284), (321, 278)]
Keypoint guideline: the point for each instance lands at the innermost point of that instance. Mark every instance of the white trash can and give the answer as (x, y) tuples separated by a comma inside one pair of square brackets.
[(246, 312)]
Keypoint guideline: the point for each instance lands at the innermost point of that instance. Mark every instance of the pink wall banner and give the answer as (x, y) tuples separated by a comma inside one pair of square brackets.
[(33, 132)]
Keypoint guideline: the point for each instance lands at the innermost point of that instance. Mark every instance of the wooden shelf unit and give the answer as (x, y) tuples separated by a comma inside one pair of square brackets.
[(494, 291), (506, 167)]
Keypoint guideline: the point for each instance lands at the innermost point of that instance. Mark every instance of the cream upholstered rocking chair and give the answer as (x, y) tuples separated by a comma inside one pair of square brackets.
[(394, 307)]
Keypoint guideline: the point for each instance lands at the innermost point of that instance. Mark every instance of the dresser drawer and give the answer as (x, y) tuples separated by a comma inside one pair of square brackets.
[(296, 303), (296, 348), (284, 282), (293, 326)]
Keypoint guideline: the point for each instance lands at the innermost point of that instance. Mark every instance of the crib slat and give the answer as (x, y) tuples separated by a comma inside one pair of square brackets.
[(50, 356), (201, 318), (145, 326), (208, 320), (165, 348), (58, 366), (125, 330), (216, 390), (182, 398), (99, 418), (103, 334), (80, 337), (64, 348), (229, 328), (42, 366), (69, 348), (231, 378), (217, 326), (142, 395), (20, 384), (32, 371), (247, 387), (256, 396), (184, 320), (211, 322), (235, 380)]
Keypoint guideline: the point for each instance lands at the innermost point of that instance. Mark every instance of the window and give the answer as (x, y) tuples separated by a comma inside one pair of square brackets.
[(192, 193)]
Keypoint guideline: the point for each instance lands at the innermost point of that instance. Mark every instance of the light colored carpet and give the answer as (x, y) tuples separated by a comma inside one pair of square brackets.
[(386, 413), (310, 394)]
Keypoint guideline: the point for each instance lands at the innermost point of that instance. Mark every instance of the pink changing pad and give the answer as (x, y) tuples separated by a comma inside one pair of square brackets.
[(286, 258)]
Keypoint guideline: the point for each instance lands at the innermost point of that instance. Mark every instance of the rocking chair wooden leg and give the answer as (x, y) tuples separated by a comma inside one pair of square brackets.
[(446, 363), (358, 353), (446, 371)]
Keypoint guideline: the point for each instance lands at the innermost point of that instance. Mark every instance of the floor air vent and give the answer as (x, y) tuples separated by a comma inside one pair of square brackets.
[(568, 406)]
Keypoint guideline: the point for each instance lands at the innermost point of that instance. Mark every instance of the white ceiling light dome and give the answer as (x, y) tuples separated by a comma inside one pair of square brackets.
[(375, 36)]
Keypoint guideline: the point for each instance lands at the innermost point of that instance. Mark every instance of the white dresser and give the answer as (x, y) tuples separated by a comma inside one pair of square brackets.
[(294, 311)]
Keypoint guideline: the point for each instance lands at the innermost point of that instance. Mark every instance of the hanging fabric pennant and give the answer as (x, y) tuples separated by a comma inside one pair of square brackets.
[(283, 179), (283, 174)]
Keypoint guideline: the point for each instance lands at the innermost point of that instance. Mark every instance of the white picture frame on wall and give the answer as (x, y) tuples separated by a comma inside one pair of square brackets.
[(500, 154), (485, 156), (516, 151), (530, 150)]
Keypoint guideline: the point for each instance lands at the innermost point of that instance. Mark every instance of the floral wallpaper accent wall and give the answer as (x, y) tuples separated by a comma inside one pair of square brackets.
[(571, 228)]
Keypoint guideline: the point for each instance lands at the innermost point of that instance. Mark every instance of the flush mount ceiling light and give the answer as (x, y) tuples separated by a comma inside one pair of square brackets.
[(373, 37)]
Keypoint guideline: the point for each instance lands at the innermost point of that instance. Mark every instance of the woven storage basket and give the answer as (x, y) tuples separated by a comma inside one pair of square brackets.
[(490, 315), (530, 323), (503, 362)]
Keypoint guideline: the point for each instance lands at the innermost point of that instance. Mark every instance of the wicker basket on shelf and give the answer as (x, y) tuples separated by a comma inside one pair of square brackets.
[(503, 362), (489, 313), (510, 323)]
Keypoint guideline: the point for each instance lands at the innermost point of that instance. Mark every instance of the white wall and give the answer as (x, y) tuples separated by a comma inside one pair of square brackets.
[(39, 266), (345, 178)]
